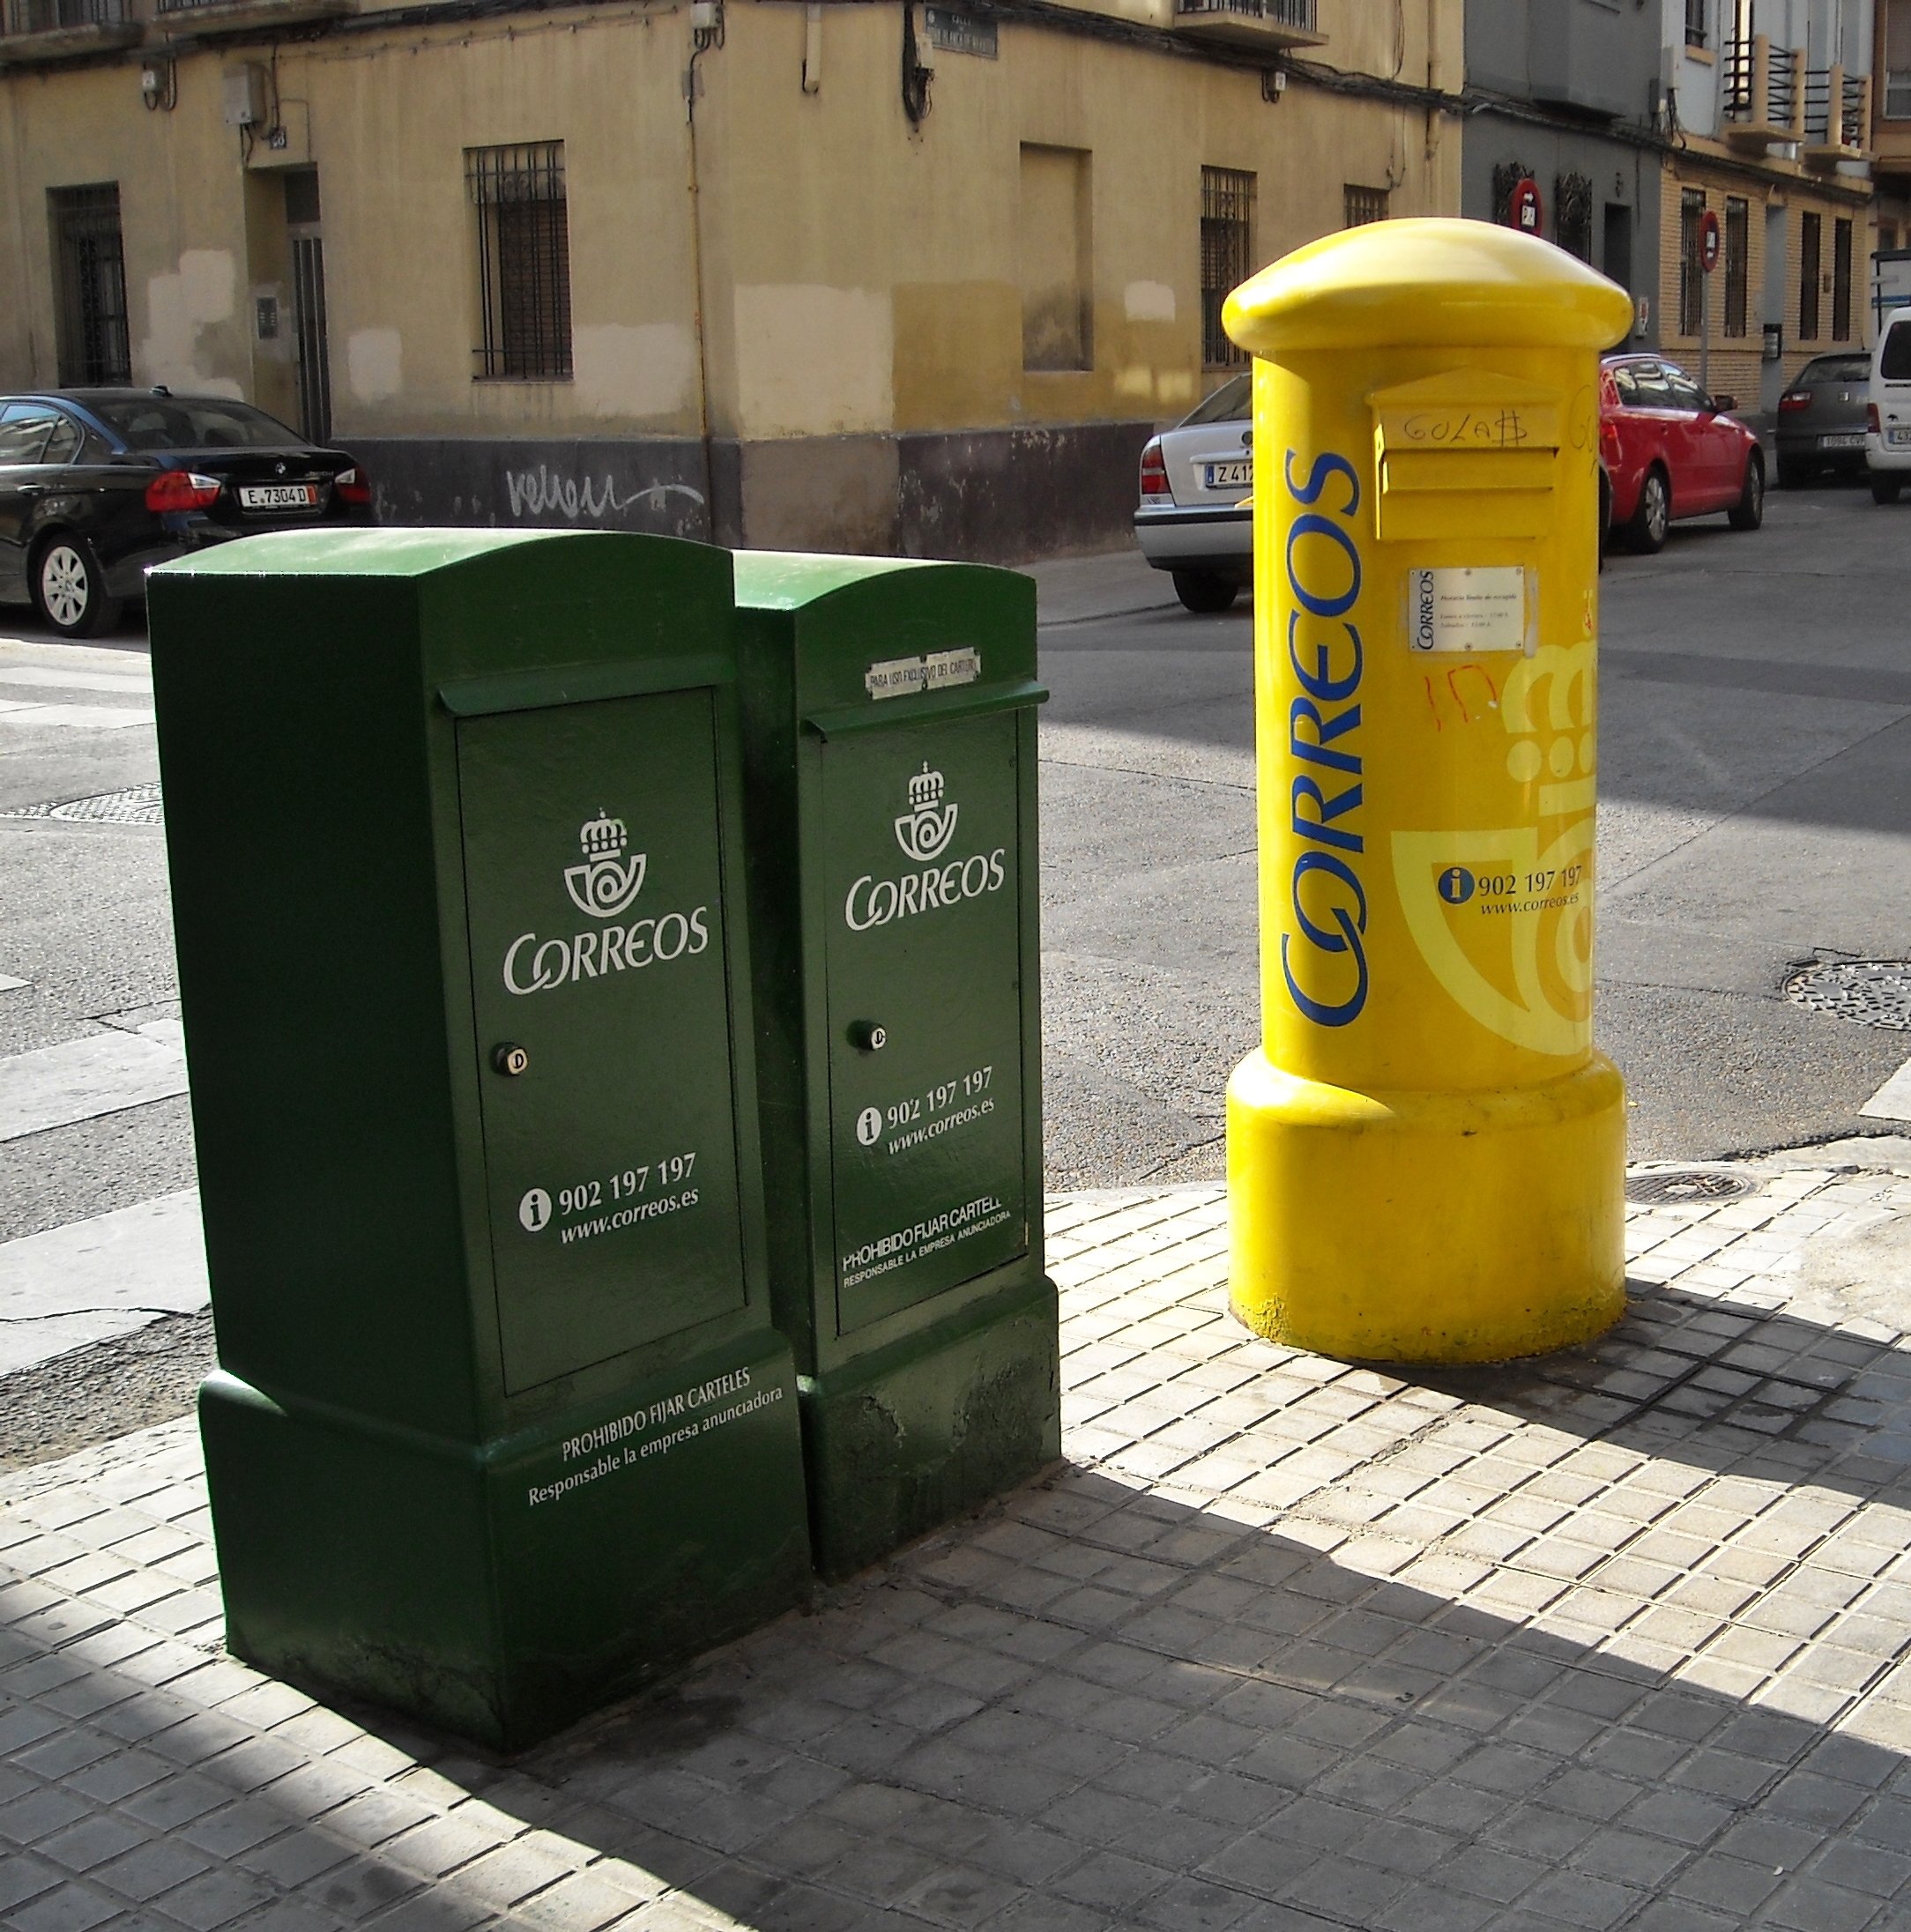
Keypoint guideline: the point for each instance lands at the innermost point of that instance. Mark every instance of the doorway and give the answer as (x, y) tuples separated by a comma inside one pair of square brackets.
[(304, 232)]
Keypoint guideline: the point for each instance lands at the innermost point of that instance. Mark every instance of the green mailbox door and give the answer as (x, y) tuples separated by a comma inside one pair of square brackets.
[(502, 1428), (593, 880), (922, 855), (888, 713)]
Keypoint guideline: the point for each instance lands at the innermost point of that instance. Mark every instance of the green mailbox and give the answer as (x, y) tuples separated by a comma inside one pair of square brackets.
[(888, 717), (502, 1427)]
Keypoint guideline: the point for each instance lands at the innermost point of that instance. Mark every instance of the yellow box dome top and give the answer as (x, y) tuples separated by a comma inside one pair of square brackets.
[(1427, 283)]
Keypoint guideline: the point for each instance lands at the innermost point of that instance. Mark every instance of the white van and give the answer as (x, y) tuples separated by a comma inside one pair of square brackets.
[(1887, 431)]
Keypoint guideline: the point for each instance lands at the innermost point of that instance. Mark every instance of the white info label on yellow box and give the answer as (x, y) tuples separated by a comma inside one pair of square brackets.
[(1467, 609)]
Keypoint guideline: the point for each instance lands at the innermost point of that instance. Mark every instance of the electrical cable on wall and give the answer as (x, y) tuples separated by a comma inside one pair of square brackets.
[(916, 76)]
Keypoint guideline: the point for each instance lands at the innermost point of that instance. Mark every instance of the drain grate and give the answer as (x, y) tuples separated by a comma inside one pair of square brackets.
[(1875, 993), (1688, 1183), (138, 804)]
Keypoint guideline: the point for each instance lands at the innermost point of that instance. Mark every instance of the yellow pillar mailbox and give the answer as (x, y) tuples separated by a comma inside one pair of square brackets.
[(1426, 1157)]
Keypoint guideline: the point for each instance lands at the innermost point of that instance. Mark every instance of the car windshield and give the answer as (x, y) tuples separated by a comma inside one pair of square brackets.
[(1836, 369), (176, 422), (1230, 403)]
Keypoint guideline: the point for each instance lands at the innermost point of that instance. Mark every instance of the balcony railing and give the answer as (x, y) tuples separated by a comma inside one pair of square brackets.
[(1251, 23), (1838, 115), (1763, 97), (58, 15)]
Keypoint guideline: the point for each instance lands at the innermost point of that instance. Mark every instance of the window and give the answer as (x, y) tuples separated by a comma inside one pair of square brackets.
[(1651, 387), (1508, 175), (1894, 364), (1361, 206), (91, 335), (1227, 241), (1897, 60), (1887, 234), (1572, 215), (1054, 259), (1737, 265), (1808, 278), (1840, 281), (1695, 23), (1232, 402), (524, 258), (1683, 393), (1691, 277)]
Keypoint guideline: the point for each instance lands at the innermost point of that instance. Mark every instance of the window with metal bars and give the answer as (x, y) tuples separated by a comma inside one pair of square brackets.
[(524, 258), (1361, 206), (1738, 263), (1840, 281), (1695, 23), (1572, 214), (1227, 256), (1810, 234), (1691, 208), (92, 337)]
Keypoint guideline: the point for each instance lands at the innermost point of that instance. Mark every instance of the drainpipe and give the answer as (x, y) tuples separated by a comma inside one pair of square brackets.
[(704, 37)]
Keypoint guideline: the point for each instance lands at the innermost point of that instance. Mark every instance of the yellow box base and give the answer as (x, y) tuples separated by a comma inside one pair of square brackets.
[(1426, 1227)]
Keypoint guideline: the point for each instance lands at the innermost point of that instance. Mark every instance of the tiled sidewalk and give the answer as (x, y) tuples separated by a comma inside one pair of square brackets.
[(1617, 1640)]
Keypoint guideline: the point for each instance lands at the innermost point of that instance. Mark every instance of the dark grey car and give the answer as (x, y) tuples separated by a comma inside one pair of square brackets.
[(1821, 418)]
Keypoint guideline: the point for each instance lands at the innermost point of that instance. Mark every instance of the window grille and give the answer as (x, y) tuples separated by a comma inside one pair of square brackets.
[(1737, 245), (1695, 23), (1227, 246), (1508, 175), (1361, 206), (1840, 281), (1810, 232), (524, 258), (1572, 214), (93, 347), (1691, 277)]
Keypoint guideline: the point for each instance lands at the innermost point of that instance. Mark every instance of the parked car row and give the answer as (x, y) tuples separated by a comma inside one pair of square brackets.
[(99, 485)]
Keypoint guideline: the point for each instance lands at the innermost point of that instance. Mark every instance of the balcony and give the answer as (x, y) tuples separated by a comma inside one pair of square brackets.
[(1764, 102), (43, 30), (1838, 116), (1265, 25), (197, 20)]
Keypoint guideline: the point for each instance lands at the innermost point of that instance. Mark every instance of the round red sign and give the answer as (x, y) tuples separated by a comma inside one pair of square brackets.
[(1523, 210), (1708, 241)]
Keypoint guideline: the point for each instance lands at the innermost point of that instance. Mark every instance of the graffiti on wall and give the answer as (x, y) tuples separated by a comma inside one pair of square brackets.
[(545, 492)]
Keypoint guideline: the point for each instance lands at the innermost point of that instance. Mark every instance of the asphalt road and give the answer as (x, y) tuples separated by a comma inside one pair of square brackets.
[(1755, 816), (1755, 753)]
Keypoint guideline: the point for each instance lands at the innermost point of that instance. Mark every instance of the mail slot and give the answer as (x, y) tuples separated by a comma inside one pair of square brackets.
[(889, 746), (502, 1427)]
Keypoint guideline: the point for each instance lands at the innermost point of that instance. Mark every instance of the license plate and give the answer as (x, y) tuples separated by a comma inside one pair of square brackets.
[(1228, 476), (1898, 438), (1853, 440), (277, 495)]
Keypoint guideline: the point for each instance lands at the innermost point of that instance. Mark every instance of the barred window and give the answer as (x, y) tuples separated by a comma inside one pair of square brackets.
[(1810, 232), (1361, 206), (1227, 257), (1572, 214), (1840, 281), (92, 337), (1737, 265), (524, 258), (1692, 276)]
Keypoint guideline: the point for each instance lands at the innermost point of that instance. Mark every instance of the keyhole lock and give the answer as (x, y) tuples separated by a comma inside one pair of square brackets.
[(510, 1061), (867, 1036)]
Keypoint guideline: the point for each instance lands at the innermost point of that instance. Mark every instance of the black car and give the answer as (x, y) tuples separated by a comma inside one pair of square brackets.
[(99, 485)]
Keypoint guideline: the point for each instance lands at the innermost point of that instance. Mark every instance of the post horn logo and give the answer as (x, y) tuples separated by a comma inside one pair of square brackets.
[(928, 825), (606, 881)]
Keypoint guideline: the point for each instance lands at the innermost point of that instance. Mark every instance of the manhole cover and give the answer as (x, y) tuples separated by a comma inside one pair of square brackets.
[(138, 805), (1688, 1183), (1874, 992)]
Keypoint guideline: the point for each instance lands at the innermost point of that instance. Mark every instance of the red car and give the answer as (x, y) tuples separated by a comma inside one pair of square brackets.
[(1668, 450)]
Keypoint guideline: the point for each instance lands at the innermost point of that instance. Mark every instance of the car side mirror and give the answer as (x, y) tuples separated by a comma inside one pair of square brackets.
[(1722, 405)]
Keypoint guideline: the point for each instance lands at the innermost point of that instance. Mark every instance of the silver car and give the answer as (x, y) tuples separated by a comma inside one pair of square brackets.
[(1197, 516)]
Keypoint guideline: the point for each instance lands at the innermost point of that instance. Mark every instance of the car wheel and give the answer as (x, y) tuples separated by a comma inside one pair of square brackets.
[(1645, 531), (70, 588), (1203, 590), (1884, 490), (1794, 472), (1749, 511)]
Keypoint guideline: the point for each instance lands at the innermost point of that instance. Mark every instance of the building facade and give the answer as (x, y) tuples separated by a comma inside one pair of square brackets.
[(1563, 94), (1768, 111), (864, 276)]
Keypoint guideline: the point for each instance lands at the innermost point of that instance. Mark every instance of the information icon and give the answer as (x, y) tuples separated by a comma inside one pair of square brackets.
[(1456, 885), (868, 1126), (534, 1210)]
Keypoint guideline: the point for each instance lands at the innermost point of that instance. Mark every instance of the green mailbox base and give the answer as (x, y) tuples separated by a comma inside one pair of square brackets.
[(502, 1592), (902, 1440)]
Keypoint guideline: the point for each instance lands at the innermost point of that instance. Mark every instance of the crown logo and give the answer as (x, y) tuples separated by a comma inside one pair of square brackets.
[(606, 883), (928, 825)]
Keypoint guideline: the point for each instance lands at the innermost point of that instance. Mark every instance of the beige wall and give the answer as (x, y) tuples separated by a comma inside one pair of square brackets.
[(859, 275)]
